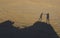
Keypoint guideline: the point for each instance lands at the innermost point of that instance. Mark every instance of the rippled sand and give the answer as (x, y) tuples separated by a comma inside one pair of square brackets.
[(25, 12)]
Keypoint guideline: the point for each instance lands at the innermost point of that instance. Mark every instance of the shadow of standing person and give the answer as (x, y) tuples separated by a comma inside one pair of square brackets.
[(47, 18), (40, 19)]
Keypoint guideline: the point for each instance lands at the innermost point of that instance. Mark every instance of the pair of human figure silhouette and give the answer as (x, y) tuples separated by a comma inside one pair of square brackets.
[(47, 17)]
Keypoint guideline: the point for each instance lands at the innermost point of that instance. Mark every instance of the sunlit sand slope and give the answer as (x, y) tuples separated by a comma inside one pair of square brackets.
[(26, 12)]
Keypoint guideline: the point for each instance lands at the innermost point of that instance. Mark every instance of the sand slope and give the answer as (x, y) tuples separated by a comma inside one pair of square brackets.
[(26, 12)]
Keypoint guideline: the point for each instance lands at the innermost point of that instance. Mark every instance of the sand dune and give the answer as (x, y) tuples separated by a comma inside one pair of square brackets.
[(26, 12)]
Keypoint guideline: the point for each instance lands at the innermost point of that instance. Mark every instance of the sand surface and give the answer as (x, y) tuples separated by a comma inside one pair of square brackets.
[(25, 12)]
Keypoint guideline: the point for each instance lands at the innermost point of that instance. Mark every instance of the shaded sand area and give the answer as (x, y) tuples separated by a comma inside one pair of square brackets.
[(37, 30), (25, 12)]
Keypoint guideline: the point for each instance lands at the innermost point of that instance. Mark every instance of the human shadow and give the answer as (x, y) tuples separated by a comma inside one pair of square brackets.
[(47, 17), (37, 30)]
